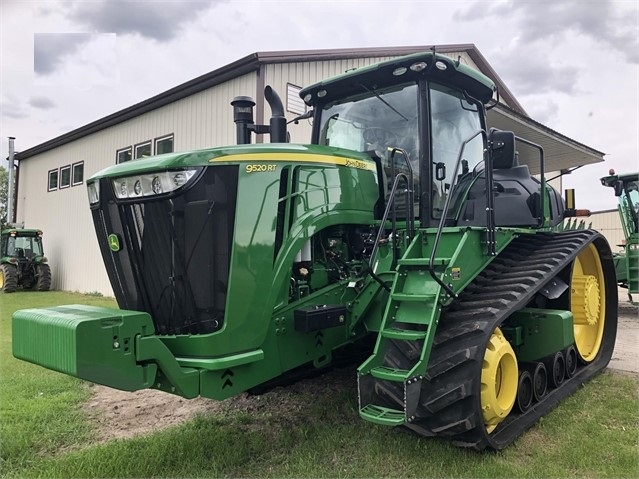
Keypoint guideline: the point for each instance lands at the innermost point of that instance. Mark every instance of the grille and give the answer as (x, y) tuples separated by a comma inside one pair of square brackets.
[(175, 256)]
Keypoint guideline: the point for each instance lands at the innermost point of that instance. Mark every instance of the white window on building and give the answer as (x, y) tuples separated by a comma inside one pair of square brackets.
[(143, 150), (65, 176), (164, 144), (53, 180), (77, 173), (123, 155), (294, 103)]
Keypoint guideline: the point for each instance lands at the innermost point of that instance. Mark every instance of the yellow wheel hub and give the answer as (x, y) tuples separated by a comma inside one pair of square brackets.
[(499, 378), (585, 297), (1, 279), (588, 302)]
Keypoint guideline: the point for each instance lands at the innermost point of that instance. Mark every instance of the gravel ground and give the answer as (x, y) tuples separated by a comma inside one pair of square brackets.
[(626, 355), (119, 414)]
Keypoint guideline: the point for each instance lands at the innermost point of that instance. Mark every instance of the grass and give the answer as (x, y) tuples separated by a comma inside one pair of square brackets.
[(311, 429)]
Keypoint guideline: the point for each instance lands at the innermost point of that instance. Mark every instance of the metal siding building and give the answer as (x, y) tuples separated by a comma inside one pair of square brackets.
[(198, 115), (609, 224)]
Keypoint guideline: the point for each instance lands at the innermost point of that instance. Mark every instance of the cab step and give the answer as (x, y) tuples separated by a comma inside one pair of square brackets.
[(405, 334), (423, 261), (382, 415), (413, 297), (389, 374)]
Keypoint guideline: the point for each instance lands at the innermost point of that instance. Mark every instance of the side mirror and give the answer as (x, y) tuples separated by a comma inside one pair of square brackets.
[(502, 148)]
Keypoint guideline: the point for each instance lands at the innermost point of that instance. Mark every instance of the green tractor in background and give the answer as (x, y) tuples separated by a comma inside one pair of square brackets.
[(22, 260), (407, 237), (626, 188)]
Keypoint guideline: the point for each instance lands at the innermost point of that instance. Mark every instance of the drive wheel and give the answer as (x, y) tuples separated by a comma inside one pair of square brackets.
[(8, 278), (43, 282), (588, 302), (499, 380)]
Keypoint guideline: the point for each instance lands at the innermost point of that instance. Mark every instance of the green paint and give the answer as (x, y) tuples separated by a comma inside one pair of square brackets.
[(537, 333)]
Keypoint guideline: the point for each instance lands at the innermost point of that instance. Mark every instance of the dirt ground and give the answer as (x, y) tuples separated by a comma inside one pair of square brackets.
[(119, 414)]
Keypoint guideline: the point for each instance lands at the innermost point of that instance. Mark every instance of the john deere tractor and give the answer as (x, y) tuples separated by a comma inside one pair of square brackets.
[(22, 260), (626, 188), (407, 234)]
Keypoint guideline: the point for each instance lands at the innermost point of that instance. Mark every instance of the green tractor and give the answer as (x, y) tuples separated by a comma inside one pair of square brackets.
[(406, 236), (626, 188), (22, 260)]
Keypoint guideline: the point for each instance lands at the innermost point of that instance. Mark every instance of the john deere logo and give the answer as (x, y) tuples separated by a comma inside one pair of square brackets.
[(114, 242)]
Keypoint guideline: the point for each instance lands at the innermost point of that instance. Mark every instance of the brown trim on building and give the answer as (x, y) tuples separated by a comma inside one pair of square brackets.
[(260, 84)]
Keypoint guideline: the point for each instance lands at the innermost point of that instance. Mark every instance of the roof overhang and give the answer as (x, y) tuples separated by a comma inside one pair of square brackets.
[(560, 152)]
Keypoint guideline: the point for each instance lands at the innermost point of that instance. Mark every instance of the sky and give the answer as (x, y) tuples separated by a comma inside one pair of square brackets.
[(572, 65)]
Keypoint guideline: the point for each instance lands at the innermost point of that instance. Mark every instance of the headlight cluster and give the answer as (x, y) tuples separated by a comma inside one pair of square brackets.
[(151, 184)]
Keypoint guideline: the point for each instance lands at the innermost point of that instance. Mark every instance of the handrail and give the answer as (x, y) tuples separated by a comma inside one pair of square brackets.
[(390, 206), (410, 208), (442, 220), (541, 175)]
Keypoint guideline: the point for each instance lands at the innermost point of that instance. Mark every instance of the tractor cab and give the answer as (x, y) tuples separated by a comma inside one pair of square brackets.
[(423, 116), (22, 260)]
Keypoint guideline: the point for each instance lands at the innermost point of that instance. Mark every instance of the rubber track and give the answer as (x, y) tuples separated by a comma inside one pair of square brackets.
[(449, 403)]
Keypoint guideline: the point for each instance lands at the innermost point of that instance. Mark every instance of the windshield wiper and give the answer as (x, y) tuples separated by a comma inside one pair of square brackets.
[(382, 100)]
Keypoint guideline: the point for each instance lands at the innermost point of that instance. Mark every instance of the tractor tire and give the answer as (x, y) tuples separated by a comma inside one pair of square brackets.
[(43, 283), (8, 278)]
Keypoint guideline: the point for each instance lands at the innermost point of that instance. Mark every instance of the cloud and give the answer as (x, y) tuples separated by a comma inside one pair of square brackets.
[(550, 20), (77, 59), (160, 21), (13, 111), (51, 49), (529, 72), (544, 110), (41, 102)]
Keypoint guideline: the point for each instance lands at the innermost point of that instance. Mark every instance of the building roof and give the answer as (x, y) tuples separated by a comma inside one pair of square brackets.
[(563, 152)]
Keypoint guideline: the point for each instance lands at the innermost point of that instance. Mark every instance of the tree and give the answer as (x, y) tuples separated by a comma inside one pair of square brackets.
[(4, 194)]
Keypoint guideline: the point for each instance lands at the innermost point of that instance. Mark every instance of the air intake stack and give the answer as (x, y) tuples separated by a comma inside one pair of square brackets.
[(243, 118)]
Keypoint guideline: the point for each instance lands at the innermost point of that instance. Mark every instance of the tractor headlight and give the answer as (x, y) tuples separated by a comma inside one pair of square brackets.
[(151, 184), (93, 190)]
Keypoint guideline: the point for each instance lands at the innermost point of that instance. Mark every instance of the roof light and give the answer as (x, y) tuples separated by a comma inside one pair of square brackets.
[(419, 66), (441, 65), (321, 93), (399, 71)]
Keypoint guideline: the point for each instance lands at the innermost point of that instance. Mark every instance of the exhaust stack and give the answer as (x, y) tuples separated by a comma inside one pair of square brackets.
[(277, 124)]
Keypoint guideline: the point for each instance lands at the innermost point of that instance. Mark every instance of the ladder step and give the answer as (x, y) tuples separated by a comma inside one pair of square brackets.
[(382, 415), (406, 334), (413, 297), (423, 261), (389, 374)]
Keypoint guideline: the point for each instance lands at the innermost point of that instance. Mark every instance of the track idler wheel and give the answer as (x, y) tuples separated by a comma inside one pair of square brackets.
[(524, 391), (557, 367), (499, 380), (570, 357)]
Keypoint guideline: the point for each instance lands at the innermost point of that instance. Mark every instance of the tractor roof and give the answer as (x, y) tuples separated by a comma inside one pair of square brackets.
[(403, 69)]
